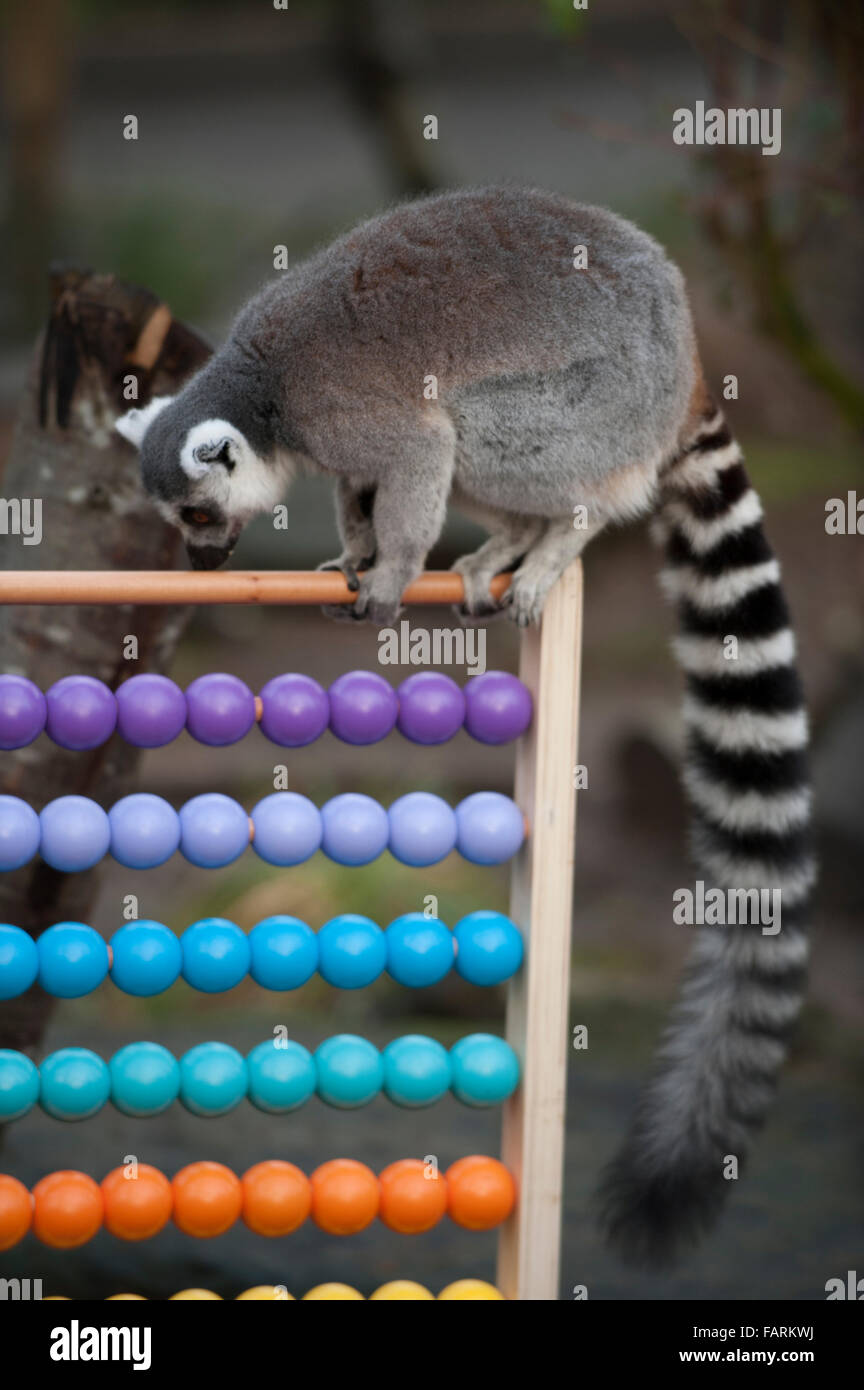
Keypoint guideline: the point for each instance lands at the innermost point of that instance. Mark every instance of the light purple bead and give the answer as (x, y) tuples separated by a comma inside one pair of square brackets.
[(145, 830), (356, 829), (363, 707), (499, 707), (23, 712), (151, 710), (20, 832), (82, 712), (431, 707), (422, 829), (295, 710), (490, 828), (288, 828), (76, 833), (220, 709), (214, 830)]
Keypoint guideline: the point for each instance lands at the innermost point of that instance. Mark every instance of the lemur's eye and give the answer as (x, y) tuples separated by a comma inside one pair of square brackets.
[(193, 516)]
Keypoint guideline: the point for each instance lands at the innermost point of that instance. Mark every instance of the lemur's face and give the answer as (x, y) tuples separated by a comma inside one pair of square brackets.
[(205, 480)]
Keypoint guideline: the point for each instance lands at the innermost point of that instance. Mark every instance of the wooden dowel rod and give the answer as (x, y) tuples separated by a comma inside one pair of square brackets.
[(295, 587)]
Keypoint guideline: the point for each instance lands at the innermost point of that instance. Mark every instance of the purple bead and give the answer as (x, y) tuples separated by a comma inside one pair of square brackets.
[(431, 707), (76, 833), (214, 830), (287, 828), (82, 712), (151, 710), (363, 707), (20, 832), (220, 709), (145, 830), (295, 710), (499, 707), (23, 712)]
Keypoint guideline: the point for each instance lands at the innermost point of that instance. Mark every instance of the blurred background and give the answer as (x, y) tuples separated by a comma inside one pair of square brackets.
[(261, 127)]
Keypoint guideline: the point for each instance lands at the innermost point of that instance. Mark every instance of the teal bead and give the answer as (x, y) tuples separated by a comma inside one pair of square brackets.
[(19, 1084), (417, 1070), (213, 1078), (74, 1083), (145, 1079), (350, 1071), (485, 1069), (282, 1076)]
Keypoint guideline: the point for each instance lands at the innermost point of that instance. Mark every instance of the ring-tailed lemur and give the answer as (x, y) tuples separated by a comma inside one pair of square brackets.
[(523, 356)]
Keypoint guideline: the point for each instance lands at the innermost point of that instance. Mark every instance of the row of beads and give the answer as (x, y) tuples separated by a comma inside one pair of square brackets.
[(278, 1076), (80, 712), (396, 1291), (145, 958), (142, 831), (274, 1198)]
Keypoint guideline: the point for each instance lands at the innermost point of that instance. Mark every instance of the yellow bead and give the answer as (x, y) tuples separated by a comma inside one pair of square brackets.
[(266, 1293), (336, 1293), (402, 1291), (196, 1295), (469, 1289), (121, 1297)]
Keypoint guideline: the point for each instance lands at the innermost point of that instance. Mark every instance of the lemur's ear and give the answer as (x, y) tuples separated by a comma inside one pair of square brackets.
[(216, 452), (135, 423)]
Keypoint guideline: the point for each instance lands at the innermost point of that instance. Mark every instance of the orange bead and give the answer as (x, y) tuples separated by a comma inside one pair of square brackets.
[(16, 1211), (67, 1209), (411, 1201), (276, 1197), (480, 1192), (345, 1196), (207, 1199), (136, 1207)]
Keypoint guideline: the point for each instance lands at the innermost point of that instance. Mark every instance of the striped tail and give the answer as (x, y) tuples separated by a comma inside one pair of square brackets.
[(746, 779)]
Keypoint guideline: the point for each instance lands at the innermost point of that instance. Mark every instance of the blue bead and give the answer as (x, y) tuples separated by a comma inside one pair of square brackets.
[(216, 955), (19, 1085), (419, 950), (20, 832), (74, 1083), (356, 829), (282, 1076), (145, 1079), (488, 948), (352, 951), (76, 834), (485, 1069), (146, 958), (73, 960), (417, 1070), (350, 1071), (19, 961), (490, 828), (213, 1078), (145, 831), (422, 829), (284, 953), (288, 828), (214, 830)]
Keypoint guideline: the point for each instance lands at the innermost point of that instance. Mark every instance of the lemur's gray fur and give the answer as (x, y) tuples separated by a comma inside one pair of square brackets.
[(461, 348)]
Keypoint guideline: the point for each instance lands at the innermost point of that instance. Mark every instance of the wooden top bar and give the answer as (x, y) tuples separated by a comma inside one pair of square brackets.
[(292, 587)]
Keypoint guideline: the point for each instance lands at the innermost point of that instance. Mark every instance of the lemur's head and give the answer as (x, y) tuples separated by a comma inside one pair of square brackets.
[(204, 477)]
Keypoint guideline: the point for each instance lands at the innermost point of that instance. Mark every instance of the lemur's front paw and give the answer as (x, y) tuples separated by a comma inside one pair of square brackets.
[(524, 602), (348, 565), (478, 605), (376, 600)]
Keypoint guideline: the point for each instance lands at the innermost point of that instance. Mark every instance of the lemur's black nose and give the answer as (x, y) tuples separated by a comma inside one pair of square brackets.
[(208, 557)]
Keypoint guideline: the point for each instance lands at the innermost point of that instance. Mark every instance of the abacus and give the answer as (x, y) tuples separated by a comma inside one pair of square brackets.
[(525, 1072)]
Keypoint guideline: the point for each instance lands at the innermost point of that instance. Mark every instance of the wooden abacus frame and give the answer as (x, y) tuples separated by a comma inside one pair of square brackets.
[(532, 1144)]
